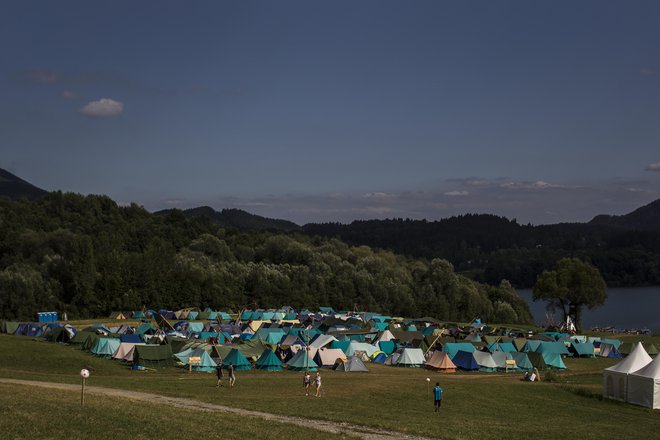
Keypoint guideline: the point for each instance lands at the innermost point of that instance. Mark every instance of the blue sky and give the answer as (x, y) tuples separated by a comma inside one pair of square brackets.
[(334, 111)]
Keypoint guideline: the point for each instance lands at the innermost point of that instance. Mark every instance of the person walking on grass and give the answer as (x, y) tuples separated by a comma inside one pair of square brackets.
[(317, 382), (437, 396), (218, 373), (307, 380), (232, 377)]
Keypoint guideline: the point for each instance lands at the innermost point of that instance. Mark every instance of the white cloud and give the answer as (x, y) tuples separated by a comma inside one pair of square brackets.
[(103, 108), (42, 76), (377, 195), (647, 72), (538, 185), (653, 167), (68, 94), (457, 193)]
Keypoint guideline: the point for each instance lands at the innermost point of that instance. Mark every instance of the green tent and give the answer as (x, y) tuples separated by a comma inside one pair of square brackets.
[(8, 327), (237, 359), (154, 356), (536, 359), (519, 343), (301, 361), (268, 361)]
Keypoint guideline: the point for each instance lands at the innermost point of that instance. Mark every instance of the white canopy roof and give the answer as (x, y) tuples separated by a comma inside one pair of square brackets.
[(651, 370), (637, 359)]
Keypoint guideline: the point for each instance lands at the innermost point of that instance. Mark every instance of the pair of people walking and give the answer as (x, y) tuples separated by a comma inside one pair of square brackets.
[(220, 375), (307, 381)]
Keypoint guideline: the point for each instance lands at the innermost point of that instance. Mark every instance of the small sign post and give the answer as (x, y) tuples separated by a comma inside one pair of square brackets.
[(84, 374), (193, 360), (428, 385)]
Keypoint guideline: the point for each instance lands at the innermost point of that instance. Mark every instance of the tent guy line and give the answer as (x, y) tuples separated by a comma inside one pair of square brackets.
[(358, 431)]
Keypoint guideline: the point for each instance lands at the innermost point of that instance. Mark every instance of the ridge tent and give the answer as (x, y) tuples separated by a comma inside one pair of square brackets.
[(485, 361), (130, 338), (507, 346), (615, 342), (464, 360), (28, 329), (322, 340), (393, 358), (522, 361), (326, 357), (236, 358), (387, 347), (155, 356), (585, 349), (9, 327), (536, 359), (117, 315), (519, 343), (301, 361), (440, 361), (106, 347), (500, 358), (352, 364), (268, 361), (553, 360), (531, 345), (452, 348), (354, 346), (615, 378), (552, 347), (61, 334), (644, 385), (125, 351), (608, 350), (206, 364)]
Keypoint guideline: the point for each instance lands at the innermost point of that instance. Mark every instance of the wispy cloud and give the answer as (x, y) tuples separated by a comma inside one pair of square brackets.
[(40, 76), (647, 71), (68, 94), (457, 193), (653, 167), (102, 108)]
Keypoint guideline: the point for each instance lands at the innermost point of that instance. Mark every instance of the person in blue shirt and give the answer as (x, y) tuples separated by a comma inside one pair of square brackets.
[(437, 396)]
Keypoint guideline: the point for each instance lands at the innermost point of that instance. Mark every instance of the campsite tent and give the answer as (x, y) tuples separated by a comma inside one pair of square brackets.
[(522, 361), (465, 361), (106, 347), (326, 357), (536, 359), (301, 361), (644, 385), (411, 357), (452, 348), (352, 363), (236, 358), (440, 361), (206, 364), (268, 361), (485, 361), (125, 351), (585, 349), (615, 378), (322, 340), (354, 346), (608, 350), (155, 356), (500, 358)]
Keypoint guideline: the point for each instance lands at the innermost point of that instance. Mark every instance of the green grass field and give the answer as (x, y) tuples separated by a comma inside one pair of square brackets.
[(476, 405)]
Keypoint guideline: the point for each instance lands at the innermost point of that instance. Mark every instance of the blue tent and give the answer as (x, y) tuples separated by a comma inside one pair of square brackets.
[(129, 337), (465, 361), (379, 358)]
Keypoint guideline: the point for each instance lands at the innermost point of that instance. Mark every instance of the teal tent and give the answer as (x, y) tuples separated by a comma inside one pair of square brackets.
[(522, 361), (106, 347), (301, 361), (554, 360), (387, 347), (207, 363), (268, 361), (582, 349), (451, 348), (236, 358)]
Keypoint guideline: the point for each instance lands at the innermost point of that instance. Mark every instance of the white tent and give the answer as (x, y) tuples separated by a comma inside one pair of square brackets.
[(354, 346), (411, 357), (322, 340), (615, 378), (326, 357), (485, 360), (644, 385), (385, 336), (125, 351)]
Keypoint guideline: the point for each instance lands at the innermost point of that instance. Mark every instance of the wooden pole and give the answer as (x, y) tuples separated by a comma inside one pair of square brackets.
[(82, 394)]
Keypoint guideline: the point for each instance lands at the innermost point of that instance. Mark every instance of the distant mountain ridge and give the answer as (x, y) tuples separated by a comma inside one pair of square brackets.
[(238, 218), (646, 218), (16, 188)]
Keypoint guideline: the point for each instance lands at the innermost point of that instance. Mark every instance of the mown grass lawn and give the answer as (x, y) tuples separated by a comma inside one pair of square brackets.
[(33, 413), (476, 405)]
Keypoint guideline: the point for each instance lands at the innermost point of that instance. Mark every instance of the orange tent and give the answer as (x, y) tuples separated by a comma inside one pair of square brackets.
[(441, 362)]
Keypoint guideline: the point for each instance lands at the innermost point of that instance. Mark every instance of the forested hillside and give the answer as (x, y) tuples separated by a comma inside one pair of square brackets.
[(88, 256), (489, 248)]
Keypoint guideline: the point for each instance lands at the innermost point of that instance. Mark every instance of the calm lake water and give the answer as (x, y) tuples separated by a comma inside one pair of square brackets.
[(625, 307)]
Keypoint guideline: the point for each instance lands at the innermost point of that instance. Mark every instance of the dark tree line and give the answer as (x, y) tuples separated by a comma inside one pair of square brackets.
[(88, 256), (489, 248)]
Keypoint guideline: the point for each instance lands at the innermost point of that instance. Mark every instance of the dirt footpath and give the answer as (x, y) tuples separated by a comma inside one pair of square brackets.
[(363, 432)]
